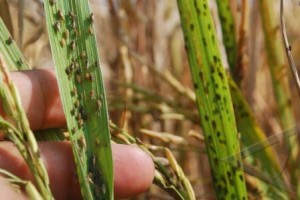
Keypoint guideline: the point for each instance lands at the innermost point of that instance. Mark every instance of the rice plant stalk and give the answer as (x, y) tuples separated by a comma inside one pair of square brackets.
[(29, 188), (251, 134), (276, 60), (288, 49), (213, 99), (228, 32), (247, 126), (10, 51), (16, 62), (242, 54), (73, 44), (18, 131), (162, 178), (177, 186), (278, 69)]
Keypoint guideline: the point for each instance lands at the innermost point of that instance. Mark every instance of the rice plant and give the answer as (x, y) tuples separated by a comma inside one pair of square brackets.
[(212, 132)]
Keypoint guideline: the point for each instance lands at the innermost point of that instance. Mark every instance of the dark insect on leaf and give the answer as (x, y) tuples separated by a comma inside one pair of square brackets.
[(57, 26), (9, 41), (83, 113), (62, 42), (66, 34), (99, 104), (52, 2), (92, 18), (60, 16)]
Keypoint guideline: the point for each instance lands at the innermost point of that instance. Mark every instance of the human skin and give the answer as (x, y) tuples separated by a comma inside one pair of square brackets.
[(133, 169)]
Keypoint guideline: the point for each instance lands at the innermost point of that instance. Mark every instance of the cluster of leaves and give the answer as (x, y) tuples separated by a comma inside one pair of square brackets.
[(228, 124)]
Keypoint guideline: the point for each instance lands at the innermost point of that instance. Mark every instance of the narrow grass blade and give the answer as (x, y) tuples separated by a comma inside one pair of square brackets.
[(213, 99), (288, 50), (29, 188), (73, 44), (177, 186), (18, 131), (51, 134), (251, 133), (242, 64), (294, 143), (16, 62), (10, 51), (228, 31), (278, 68), (277, 64)]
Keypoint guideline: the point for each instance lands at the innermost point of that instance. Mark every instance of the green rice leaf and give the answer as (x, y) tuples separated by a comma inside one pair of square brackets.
[(10, 51), (73, 44), (16, 62), (213, 99), (251, 134), (228, 32)]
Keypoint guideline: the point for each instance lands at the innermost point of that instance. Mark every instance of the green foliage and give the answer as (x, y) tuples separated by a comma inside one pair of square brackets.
[(251, 134), (213, 99), (17, 128), (10, 51), (223, 110), (278, 68), (73, 44), (228, 29)]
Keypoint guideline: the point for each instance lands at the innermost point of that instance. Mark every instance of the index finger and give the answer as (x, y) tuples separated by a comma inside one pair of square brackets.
[(39, 94)]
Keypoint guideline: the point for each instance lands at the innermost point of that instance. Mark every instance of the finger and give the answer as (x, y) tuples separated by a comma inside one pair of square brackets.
[(7, 191), (133, 169), (39, 94)]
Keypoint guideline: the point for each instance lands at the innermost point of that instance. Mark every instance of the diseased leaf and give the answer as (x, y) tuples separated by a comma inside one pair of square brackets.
[(73, 44), (10, 51), (213, 99)]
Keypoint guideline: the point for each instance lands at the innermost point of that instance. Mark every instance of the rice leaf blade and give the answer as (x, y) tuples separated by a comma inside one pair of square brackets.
[(251, 134), (228, 32), (73, 44), (10, 51), (213, 99)]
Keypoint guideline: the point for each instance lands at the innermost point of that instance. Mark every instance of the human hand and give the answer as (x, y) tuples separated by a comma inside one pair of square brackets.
[(133, 169)]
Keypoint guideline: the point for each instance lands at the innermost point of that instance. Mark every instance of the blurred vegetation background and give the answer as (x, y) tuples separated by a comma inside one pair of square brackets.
[(148, 79)]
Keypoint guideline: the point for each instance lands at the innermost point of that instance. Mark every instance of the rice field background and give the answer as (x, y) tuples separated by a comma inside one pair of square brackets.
[(150, 92)]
